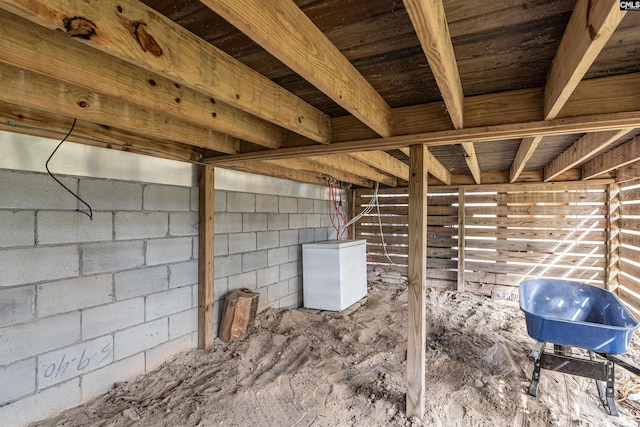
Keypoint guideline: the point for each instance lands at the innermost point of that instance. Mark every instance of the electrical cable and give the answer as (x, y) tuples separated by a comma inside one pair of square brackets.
[(46, 166)]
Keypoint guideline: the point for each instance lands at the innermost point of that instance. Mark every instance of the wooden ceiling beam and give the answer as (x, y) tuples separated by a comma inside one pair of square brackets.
[(525, 151), (133, 32), (581, 150), (385, 162), (472, 161), (477, 134), (313, 167), (110, 76), (35, 91), (435, 167), (262, 168), (346, 163), (591, 25), (431, 26), (30, 121), (622, 155), (284, 30)]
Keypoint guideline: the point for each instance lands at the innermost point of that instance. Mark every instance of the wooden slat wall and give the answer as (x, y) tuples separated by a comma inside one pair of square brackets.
[(628, 267), (510, 236)]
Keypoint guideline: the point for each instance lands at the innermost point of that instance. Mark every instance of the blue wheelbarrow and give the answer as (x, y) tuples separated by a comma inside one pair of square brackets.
[(569, 314)]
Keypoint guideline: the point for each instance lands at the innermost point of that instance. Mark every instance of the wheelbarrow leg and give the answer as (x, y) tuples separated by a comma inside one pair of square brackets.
[(607, 397), (536, 357)]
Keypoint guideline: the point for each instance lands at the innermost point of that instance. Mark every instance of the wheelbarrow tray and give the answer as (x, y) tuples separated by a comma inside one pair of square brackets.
[(577, 315)]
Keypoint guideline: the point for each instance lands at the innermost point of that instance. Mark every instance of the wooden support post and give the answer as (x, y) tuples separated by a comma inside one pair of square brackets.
[(461, 226), (353, 211), (613, 238), (205, 260), (416, 348)]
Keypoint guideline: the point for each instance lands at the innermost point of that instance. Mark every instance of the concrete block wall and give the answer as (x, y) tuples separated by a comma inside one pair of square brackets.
[(84, 304)]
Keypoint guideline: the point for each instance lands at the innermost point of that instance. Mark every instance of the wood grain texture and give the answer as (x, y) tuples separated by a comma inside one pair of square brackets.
[(173, 52), (287, 33), (110, 76), (435, 167), (612, 255), (354, 166), (581, 150), (472, 161), (527, 147), (430, 23), (262, 168), (35, 91), (206, 332), (589, 29), (416, 346), (316, 168), (461, 240), (385, 162), (623, 155)]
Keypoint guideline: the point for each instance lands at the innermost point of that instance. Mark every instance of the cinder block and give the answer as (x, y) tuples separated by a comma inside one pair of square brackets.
[(36, 191), (112, 317), (101, 380), (305, 206), (183, 224), (111, 256), (267, 276), (184, 273), (221, 287), (254, 261), (194, 247), (165, 251), (277, 291), (17, 228), (288, 237), (194, 295), (325, 221), (290, 301), (217, 312), (140, 338), (183, 323), (166, 198), (321, 206), (158, 355), (104, 195), (314, 220), (17, 305), (242, 242), (320, 234), (74, 294), (219, 201), (18, 379), (332, 234), (297, 221), (195, 198), (254, 221), (41, 405), (225, 222), (287, 205), (163, 304), (277, 256), (295, 253), (306, 236), (62, 365), (21, 266), (141, 225), (290, 269), (278, 221), (227, 265), (268, 239), (72, 227), (28, 339), (130, 284), (241, 202), (244, 280), (266, 203), (295, 285), (221, 244)]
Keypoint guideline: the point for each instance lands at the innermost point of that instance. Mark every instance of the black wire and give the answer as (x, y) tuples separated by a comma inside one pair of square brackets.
[(46, 166)]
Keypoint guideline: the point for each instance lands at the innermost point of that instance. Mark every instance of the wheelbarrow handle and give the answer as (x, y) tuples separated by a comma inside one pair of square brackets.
[(622, 362)]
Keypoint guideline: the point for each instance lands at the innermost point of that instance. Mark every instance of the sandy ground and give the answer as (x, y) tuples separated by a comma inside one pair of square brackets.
[(307, 368)]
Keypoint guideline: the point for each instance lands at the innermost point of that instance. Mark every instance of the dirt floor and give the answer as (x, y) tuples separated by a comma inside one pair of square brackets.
[(307, 368)]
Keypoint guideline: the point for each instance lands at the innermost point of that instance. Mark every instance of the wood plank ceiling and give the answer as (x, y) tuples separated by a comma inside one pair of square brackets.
[(499, 90)]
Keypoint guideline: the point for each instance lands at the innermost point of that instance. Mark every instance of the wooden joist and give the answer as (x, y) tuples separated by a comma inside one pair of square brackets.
[(385, 162), (262, 168), (472, 161), (581, 150), (285, 31), (316, 168), (622, 155), (133, 32), (435, 167), (525, 151), (353, 166), (110, 76), (206, 332)]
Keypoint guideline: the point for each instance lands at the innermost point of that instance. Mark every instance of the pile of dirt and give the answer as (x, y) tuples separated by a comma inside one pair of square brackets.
[(308, 368)]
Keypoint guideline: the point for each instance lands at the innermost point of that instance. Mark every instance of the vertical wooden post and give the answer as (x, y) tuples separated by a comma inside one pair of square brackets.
[(461, 233), (353, 211), (613, 238), (205, 259), (416, 348)]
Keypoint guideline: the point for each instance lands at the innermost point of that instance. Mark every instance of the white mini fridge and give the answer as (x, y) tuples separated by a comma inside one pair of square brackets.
[(334, 273)]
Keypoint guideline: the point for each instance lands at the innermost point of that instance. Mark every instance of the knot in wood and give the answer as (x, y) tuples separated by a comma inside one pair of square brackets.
[(79, 27), (146, 40)]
